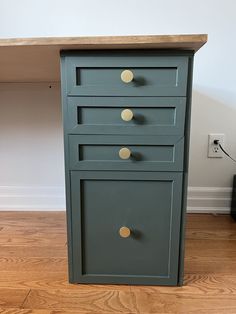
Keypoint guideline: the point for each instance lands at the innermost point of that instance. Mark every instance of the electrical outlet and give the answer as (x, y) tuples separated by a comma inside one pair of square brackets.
[(214, 150)]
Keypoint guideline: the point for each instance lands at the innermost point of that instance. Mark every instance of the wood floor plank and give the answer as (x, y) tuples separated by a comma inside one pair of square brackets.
[(150, 303), (215, 257), (196, 234), (33, 251), (29, 311), (203, 253), (35, 223), (23, 311), (210, 267), (98, 301), (35, 311), (12, 297), (210, 244), (34, 280), (53, 264), (211, 311), (197, 284), (35, 230), (35, 240)]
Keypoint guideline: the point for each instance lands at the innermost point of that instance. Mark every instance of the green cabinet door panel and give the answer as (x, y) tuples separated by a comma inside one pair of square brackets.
[(148, 153), (149, 204), (100, 74), (102, 115)]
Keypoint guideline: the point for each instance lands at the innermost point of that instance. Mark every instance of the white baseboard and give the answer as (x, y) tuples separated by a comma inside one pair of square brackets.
[(32, 198), (200, 199), (209, 200)]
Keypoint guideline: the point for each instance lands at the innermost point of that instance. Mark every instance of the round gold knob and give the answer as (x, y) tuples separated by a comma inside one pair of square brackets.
[(124, 153), (127, 76), (124, 232), (127, 115)]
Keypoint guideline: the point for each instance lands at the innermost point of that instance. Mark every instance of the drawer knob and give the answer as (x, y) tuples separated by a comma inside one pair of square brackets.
[(124, 232), (127, 76), (124, 153), (127, 115)]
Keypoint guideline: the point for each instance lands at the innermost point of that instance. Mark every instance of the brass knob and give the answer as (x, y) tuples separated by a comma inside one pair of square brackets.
[(124, 232), (127, 115), (127, 76), (124, 153)]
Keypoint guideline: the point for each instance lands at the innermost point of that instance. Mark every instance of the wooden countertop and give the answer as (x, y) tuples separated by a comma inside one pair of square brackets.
[(37, 59)]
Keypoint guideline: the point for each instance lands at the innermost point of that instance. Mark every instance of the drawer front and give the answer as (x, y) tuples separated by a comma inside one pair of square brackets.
[(100, 74), (103, 115), (148, 204), (94, 152)]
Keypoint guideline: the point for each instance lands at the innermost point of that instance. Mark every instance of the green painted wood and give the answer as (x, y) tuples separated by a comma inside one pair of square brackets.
[(166, 129), (185, 173), (67, 175), (149, 204), (99, 74), (102, 115), (148, 153)]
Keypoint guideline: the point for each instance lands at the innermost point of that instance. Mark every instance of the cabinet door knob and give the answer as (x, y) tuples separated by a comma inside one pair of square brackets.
[(127, 115), (127, 76), (124, 153), (124, 232)]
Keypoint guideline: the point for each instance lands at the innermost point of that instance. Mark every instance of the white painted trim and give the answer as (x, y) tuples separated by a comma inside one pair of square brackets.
[(209, 200), (208, 210), (32, 198)]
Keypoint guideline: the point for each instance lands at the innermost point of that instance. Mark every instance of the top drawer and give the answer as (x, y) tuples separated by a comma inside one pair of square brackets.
[(101, 74)]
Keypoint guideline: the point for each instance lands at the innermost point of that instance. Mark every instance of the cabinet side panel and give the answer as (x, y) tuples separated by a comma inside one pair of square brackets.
[(67, 173), (185, 173)]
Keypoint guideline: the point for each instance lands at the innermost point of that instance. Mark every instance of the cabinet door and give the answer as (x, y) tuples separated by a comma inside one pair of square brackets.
[(148, 204)]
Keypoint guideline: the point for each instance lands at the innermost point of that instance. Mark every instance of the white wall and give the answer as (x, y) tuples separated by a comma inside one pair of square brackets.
[(214, 92), (31, 146)]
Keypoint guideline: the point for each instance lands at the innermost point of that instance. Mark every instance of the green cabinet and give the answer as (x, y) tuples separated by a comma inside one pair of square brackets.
[(126, 134)]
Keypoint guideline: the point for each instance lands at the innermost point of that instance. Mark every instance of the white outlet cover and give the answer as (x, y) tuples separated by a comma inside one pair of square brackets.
[(214, 150)]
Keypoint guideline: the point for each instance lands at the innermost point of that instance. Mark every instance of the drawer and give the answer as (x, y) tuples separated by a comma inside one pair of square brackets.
[(134, 153), (101, 74), (125, 227), (103, 115)]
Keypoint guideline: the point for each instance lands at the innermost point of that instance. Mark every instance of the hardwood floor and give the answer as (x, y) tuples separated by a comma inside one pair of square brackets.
[(33, 271)]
